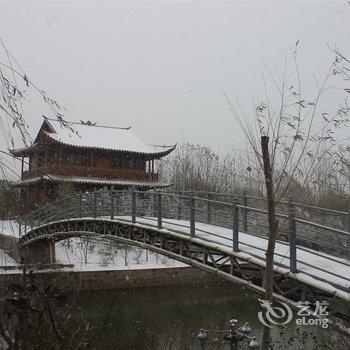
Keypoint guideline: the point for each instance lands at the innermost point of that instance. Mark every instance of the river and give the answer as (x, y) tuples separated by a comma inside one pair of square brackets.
[(170, 318)]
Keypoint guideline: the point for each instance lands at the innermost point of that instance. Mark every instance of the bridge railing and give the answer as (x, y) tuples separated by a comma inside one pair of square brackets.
[(203, 216), (294, 233), (323, 221), (326, 216)]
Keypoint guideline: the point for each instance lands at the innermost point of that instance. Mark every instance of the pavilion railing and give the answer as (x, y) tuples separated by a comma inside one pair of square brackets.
[(62, 169)]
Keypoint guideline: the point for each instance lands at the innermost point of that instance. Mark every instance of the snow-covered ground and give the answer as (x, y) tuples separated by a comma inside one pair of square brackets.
[(9, 228), (92, 255), (6, 260)]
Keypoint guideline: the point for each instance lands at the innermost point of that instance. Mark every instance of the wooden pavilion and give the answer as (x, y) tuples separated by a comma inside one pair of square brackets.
[(86, 156)]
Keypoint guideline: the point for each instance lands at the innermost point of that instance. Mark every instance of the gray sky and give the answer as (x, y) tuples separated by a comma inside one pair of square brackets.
[(162, 67)]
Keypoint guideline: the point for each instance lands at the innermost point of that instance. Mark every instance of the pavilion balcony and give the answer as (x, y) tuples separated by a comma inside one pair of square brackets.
[(98, 172)]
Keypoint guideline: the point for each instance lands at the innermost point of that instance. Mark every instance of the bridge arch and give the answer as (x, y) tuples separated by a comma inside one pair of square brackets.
[(206, 256)]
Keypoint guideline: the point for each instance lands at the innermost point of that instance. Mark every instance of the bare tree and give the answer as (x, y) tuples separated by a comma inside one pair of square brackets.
[(199, 168), (291, 136), (16, 87), (32, 315)]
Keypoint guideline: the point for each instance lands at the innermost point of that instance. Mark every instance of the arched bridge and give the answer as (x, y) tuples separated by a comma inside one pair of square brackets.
[(221, 234)]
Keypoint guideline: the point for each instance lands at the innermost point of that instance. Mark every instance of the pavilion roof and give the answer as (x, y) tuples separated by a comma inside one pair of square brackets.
[(94, 136)]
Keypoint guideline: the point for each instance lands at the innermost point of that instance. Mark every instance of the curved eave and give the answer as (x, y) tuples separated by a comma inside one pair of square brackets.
[(153, 155), (165, 152), (89, 181), (23, 152)]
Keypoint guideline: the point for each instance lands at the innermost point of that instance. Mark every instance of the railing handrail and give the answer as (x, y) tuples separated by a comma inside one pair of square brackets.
[(285, 202), (315, 224)]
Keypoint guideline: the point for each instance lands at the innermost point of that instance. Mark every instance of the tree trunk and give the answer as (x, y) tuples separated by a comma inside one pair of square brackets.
[(271, 212)]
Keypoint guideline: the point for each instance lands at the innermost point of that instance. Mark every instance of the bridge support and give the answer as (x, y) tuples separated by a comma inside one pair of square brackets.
[(42, 252)]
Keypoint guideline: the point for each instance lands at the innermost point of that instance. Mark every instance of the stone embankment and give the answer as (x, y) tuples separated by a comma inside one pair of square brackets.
[(112, 279)]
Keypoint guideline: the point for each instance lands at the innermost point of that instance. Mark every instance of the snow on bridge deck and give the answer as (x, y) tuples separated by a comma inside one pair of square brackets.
[(315, 268)]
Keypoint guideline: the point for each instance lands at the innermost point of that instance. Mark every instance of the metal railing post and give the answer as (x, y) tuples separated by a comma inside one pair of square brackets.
[(102, 201), (159, 209), (292, 239), (235, 230), (154, 203), (133, 205), (80, 200), (179, 205), (117, 198), (322, 217), (112, 203), (208, 208), (192, 215), (94, 203), (84, 204), (245, 212), (66, 208), (348, 228), (43, 214)]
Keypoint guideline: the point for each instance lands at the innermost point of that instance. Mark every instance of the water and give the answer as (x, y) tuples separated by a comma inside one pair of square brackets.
[(170, 318)]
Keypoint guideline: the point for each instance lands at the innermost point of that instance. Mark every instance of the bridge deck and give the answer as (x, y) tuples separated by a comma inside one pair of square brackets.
[(217, 234), (318, 268)]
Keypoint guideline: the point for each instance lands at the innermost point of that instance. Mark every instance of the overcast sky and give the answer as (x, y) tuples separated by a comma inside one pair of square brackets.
[(162, 67)]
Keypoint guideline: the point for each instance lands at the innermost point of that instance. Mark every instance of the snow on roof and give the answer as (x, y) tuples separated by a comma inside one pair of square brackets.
[(90, 180), (102, 137)]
